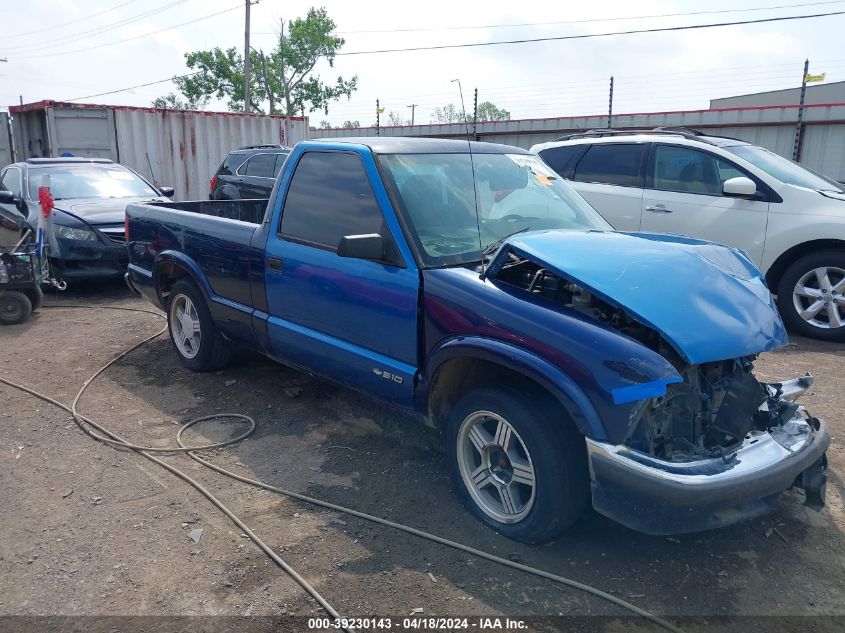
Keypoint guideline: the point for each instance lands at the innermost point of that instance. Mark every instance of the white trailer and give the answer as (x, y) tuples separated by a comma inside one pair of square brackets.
[(177, 148)]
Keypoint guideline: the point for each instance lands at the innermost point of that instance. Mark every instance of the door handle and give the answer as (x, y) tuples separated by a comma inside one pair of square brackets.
[(274, 263), (658, 208)]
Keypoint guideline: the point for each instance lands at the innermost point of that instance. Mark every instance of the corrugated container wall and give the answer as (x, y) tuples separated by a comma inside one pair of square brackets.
[(184, 149), (176, 148), (5, 140)]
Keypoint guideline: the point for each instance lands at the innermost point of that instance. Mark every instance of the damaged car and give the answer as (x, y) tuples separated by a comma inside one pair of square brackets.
[(90, 197), (565, 363)]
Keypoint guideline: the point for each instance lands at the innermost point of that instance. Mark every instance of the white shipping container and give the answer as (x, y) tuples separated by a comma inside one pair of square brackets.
[(5, 140), (177, 148)]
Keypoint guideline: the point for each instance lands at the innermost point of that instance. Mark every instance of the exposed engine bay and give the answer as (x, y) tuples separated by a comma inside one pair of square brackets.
[(712, 412)]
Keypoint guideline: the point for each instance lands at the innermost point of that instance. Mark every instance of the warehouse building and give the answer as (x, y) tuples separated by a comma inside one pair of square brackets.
[(833, 92)]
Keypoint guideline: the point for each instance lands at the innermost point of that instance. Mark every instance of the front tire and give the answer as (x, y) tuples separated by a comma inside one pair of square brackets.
[(197, 341), (811, 296), (518, 463), (15, 307)]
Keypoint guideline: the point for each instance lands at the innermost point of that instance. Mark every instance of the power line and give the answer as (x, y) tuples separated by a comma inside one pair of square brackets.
[(129, 39), (75, 37), (63, 24), (593, 35), (150, 83), (586, 21)]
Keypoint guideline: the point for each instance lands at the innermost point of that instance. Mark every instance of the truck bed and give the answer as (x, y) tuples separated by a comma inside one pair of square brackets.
[(251, 211), (217, 235)]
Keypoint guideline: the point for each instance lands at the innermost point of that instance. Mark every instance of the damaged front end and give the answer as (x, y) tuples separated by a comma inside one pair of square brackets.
[(717, 448), (715, 445)]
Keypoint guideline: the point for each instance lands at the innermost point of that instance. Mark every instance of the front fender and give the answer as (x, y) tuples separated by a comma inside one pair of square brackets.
[(551, 378)]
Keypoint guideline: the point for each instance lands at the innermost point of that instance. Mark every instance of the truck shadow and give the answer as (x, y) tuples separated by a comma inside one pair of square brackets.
[(334, 444)]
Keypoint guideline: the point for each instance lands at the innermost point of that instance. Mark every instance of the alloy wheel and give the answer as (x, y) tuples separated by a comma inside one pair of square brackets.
[(818, 297), (496, 467), (185, 326)]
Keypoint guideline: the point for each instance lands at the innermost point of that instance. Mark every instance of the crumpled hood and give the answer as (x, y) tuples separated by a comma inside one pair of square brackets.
[(100, 211), (708, 301)]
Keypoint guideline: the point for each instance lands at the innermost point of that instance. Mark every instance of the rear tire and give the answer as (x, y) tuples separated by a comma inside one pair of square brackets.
[(197, 341), (811, 296), (518, 463), (15, 307)]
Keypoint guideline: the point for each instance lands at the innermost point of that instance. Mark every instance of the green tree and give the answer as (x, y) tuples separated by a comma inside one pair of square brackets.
[(487, 111), (173, 101), (283, 78), (394, 118), (447, 114), (348, 124), (325, 124)]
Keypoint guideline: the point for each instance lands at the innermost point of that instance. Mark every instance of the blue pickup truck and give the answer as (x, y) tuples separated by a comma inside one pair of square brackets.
[(466, 283)]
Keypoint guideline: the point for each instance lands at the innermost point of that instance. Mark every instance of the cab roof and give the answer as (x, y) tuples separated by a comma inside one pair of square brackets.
[(417, 145)]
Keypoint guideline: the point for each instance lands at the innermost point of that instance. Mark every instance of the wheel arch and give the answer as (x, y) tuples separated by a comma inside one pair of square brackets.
[(778, 268), (170, 267), (460, 365)]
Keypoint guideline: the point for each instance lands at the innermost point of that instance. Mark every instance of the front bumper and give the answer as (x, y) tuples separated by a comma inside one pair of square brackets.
[(661, 497), (88, 259)]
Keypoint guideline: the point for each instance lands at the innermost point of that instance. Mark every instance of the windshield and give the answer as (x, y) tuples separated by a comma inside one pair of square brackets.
[(89, 181), (516, 192), (784, 170)]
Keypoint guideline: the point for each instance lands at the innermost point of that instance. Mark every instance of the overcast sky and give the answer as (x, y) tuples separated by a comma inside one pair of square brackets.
[(653, 72)]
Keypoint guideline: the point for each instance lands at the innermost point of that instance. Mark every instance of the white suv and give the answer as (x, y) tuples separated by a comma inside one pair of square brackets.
[(789, 220)]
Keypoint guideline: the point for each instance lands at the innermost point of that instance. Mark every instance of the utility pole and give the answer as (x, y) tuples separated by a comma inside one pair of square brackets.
[(796, 144), (246, 58), (378, 118), (474, 114), (610, 106), (282, 80), (413, 107)]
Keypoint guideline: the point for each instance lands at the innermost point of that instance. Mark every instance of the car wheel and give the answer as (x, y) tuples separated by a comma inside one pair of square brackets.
[(15, 307), (811, 296), (198, 342), (518, 464)]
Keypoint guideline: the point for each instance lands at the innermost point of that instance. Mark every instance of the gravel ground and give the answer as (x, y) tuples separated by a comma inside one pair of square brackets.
[(87, 530)]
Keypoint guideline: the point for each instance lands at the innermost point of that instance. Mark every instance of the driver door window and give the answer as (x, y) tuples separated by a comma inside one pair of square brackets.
[(319, 215), (686, 170)]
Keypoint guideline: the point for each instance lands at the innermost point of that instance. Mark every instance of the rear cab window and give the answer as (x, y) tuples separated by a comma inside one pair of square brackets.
[(330, 197), (612, 164)]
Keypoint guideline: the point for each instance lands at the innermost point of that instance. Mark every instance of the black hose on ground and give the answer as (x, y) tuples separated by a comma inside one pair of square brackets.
[(86, 424)]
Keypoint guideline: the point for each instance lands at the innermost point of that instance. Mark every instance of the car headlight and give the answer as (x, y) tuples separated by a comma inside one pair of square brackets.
[(70, 233)]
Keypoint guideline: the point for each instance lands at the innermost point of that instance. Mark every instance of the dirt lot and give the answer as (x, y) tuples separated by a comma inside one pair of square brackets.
[(89, 530)]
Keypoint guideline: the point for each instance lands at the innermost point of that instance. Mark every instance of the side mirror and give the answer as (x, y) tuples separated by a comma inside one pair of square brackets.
[(740, 187), (7, 197), (167, 192), (367, 246)]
